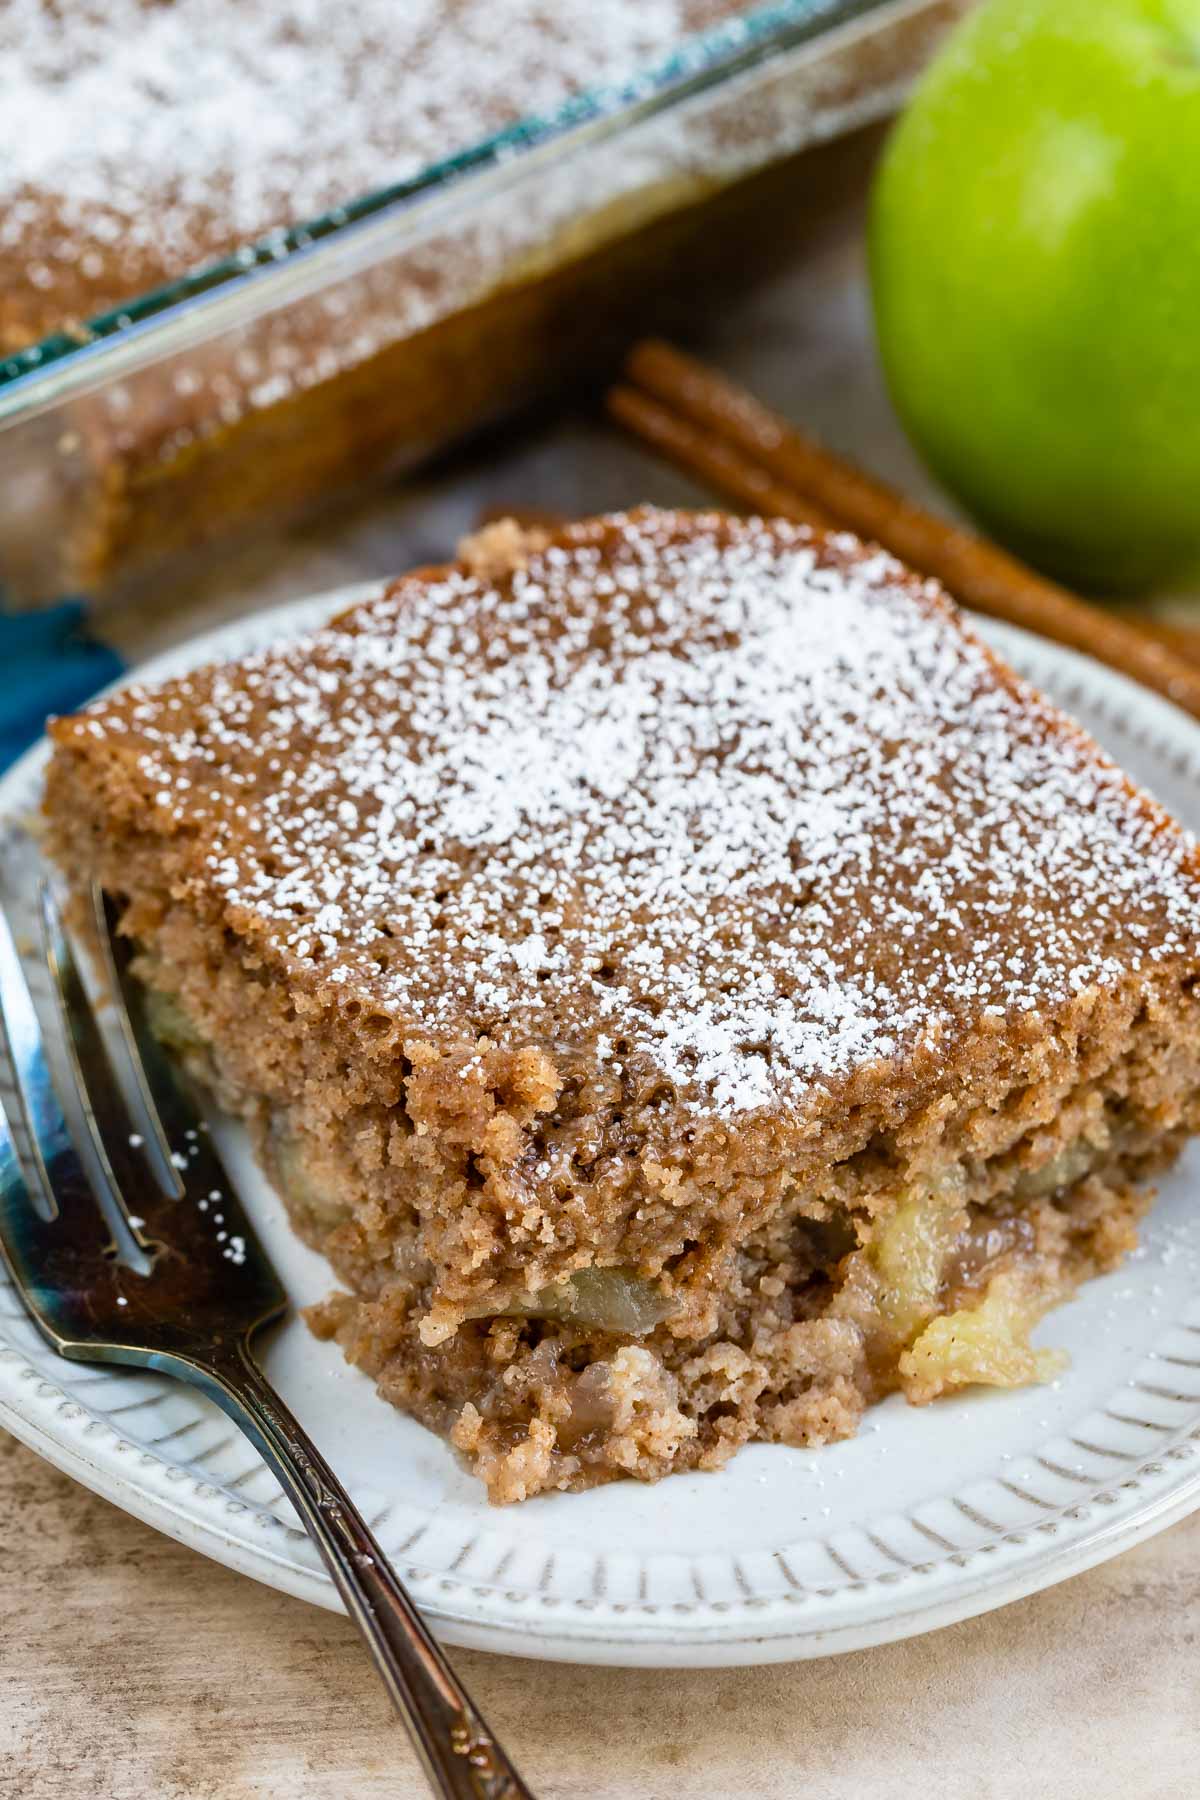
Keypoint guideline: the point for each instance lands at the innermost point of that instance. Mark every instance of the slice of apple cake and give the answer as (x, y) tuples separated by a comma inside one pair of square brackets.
[(682, 979)]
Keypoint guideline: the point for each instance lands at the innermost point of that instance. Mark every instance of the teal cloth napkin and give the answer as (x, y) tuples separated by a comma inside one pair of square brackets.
[(48, 664)]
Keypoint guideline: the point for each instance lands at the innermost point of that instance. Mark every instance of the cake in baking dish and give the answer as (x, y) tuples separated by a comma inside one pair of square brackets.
[(143, 140), (686, 984)]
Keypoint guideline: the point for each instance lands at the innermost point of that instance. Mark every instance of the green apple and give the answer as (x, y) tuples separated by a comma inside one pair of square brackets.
[(1035, 266)]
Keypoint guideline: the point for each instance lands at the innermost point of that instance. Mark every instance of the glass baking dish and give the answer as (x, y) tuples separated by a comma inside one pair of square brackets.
[(358, 344)]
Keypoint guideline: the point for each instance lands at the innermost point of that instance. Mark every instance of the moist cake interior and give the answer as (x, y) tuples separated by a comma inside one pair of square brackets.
[(683, 981)]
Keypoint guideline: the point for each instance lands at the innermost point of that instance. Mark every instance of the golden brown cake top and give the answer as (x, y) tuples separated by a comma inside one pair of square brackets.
[(141, 137), (747, 803)]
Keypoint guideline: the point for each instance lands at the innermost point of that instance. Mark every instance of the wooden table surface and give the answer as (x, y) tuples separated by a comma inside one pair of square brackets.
[(133, 1669)]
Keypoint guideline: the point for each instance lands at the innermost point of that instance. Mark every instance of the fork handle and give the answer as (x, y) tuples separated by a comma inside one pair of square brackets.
[(460, 1756)]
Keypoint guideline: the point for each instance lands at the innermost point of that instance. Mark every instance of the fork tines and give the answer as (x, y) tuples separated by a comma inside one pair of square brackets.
[(115, 1214)]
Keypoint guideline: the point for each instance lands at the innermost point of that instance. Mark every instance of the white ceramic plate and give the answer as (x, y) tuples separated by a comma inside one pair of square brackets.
[(928, 1516)]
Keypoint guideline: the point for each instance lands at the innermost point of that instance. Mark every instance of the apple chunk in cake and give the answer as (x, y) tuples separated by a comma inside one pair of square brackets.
[(684, 982)]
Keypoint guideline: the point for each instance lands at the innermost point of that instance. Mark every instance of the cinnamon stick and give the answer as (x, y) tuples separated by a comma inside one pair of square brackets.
[(715, 430), (703, 454), (1183, 639)]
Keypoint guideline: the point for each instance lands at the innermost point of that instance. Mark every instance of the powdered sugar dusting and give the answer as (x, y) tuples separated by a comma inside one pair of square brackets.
[(182, 128), (705, 792)]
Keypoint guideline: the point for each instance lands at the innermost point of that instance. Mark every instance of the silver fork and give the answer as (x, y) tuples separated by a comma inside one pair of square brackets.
[(110, 1233)]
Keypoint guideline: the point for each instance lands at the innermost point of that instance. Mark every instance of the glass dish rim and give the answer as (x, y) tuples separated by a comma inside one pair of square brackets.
[(68, 361)]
